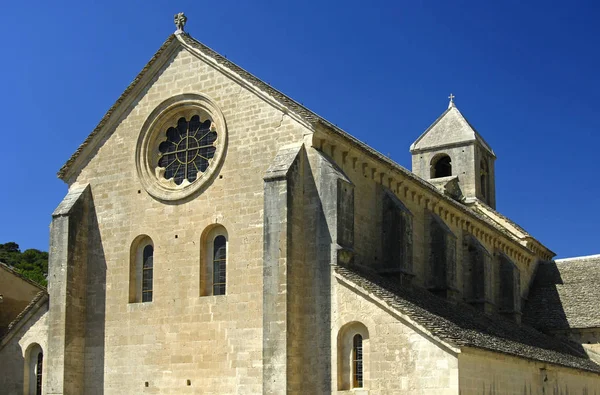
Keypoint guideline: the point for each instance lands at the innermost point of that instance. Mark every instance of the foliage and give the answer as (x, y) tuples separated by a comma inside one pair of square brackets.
[(32, 263)]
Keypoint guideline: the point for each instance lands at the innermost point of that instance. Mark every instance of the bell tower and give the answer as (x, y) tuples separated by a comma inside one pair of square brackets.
[(451, 152)]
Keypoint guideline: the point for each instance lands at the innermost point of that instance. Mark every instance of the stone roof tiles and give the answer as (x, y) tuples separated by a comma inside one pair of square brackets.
[(565, 294), (39, 299), (463, 326)]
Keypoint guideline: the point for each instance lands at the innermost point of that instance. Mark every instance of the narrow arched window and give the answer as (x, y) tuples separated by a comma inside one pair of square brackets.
[(442, 167), (34, 361), (484, 177), (38, 373), (357, 361), (147, 273), (219, 265), (141, 270)]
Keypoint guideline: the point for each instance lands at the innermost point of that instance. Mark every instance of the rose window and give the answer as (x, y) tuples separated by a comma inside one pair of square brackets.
[(188, 149)]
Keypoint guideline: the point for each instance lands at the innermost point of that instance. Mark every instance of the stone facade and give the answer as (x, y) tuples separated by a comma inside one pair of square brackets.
[(16, 357), (483, 373), (299, 202)]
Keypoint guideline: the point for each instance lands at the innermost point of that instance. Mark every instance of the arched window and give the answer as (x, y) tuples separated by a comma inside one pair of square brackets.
[(147, 273), (441, 167), (34, 360), (510, 285), (484, 178), (141, 270), (213, 261), (477, 276), (353, 353), (219, 265), (396, 237), (442, 256), (357, 361)]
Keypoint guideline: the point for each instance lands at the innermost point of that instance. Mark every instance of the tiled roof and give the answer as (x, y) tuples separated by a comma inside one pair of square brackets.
[(565, 294), (463, 326)]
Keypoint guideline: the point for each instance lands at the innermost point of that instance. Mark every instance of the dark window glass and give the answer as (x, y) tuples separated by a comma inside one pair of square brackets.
[(219, 265), (438, 255), (357, 361), (484, 179), (147, 273), (509, 287), (187, 150), (38, 374)]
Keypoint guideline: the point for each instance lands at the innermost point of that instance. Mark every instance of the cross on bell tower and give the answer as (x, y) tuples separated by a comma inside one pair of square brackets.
[(451, 97), (452, 153)]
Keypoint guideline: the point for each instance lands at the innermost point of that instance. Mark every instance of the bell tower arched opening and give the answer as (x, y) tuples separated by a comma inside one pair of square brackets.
[(441, 166)]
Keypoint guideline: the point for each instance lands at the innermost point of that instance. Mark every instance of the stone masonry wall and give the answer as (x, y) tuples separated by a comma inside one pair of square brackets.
[(13, 353), (398, 359), (482, 372), (215, 342), (367, 217)]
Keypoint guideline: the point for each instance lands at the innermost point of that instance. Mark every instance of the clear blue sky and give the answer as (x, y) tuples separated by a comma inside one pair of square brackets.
[(525, 74)]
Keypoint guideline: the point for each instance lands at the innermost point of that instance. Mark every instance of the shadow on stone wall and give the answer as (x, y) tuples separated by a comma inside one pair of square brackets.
[(544, 308), (95, 308)]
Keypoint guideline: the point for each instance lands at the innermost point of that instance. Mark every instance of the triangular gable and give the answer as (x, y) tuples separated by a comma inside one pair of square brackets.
[(116, 110), (450, 128), (168, 49)]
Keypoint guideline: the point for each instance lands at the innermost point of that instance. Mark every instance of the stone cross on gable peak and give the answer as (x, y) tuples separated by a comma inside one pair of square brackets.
[(180, 19), (451, 97)]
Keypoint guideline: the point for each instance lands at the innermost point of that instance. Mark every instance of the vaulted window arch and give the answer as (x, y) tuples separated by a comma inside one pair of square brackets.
[(34, 368), (477, 274), (396, 236), (141, 270), (441, 247), (353, 353), (484, 177), (213, 261), (509, 292), (441, 166)]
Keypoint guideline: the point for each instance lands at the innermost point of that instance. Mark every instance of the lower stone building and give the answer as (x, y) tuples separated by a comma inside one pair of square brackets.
[(220, 238)]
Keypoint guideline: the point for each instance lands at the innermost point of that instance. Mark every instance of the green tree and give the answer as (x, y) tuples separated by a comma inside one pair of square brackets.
[(32, 263)]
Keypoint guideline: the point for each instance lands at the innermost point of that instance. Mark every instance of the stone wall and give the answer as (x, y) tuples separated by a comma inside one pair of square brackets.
[(370, 182), (398, 357), (482, 372), (181, 342), (31, 330)]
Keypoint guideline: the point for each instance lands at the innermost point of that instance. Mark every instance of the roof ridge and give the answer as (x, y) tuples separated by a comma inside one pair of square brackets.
[(8, 268), (39, 296), (104, 120), (578, 258)]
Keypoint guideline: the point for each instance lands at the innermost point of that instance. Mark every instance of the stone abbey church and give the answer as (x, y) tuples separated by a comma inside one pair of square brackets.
[(219, 238)]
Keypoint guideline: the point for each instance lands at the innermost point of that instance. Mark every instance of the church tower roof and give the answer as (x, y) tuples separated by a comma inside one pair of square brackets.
[(450, 129)]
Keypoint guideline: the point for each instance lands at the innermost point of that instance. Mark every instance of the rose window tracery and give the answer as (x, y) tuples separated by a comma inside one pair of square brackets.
[(187, 149)]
